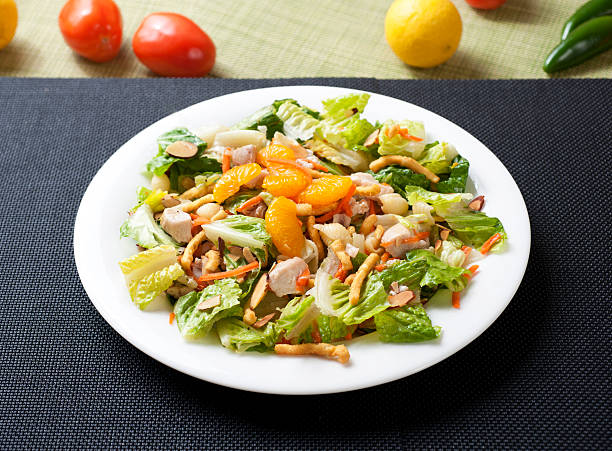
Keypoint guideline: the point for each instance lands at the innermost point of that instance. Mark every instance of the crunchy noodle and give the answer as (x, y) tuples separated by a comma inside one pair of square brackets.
[(187, 257), (315, 237), (195, 192), (339, 249), (195, 204), (338, 352), (214, 258), (369, 190), (360, 277), (406, 162), (368, 225)]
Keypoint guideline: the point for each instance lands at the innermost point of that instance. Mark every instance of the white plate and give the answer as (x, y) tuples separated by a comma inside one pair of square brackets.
[(111, 194)]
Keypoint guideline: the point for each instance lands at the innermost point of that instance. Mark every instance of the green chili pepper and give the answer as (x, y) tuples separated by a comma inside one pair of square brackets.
[(586, 41), (588, 11)]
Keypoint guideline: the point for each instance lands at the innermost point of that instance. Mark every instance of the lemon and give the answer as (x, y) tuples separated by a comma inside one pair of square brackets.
[(8, 21), (423, 33)]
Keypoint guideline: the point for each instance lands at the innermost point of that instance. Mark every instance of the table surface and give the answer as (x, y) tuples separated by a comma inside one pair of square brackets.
[(315, 38), (539, 377)]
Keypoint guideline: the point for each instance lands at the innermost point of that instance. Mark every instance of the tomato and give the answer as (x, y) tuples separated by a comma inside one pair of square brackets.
[(92, 28), (485, 4), (172, 45)]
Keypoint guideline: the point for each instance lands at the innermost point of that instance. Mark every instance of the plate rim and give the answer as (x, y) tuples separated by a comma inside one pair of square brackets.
[(141, 344)]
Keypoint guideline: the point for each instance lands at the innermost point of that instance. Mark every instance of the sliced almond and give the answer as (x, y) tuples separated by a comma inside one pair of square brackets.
[(248, 255), (402, 298), (259, 291), (444, 234), (263, 321), (372, 139), (209, 303), (395, 286), (182, 149), (437, 246), (477, 203)]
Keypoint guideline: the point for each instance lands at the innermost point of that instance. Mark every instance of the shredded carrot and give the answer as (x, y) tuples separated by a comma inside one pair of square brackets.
[(466, 250), (486, 247), (348, 336), (344, 203), (385, 257), (371, 205), (456, 298), (380, 267), (227, 161), (340, 274), (199, 220), (473, 269), (405, 134), (412, 239), (249, 203), (454, 165), (171, 319), (302, 280), (234, 272), (316, 334), (318, 166), (292, 164)]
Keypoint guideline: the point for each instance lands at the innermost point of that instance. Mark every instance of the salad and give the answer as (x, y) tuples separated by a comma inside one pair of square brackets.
[(296, 231)]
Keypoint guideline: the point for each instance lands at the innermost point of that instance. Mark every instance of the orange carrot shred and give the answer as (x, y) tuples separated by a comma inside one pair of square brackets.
[(316, 334), (466, 250), (249, 203), (227, 161), (380, 267), (234, 272), (371, 207), (473, 269), (340, 274), (199, 220), (318, 166), (406, 135), (171, 319), (456, 298), (342, 206), (486, 247), (348, 336), (385, 257), (302, 280)]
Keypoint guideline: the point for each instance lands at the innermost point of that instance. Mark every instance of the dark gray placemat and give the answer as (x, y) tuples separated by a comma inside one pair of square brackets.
[(539, 377)]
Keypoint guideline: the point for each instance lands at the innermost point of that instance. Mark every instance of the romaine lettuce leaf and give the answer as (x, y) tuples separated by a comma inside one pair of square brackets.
[(297, 123), (399, 145), (237, 200), (350, 132), (304, 108), (265, 117), (332, 298), (407, 273), (331, 328), (337, 107), (355, 160), (474, 228), (239, 230), (297, 316), (451, 254), (144, 290), (151, 198), (438, 272), (398, 178), (195, 323), (438, 158), (455, 183), (405, 324), (181, 167), (147, 262), (236, 335), (444, 204), (141, 227)]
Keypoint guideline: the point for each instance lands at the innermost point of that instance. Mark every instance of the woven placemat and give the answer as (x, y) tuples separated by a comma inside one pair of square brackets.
[(539, 377), (314, 38)]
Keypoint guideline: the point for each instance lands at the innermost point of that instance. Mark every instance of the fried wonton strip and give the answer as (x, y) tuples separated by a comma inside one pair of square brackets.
[(406, 162), (360, 277), (187, 257), (195, 204), (314, 236), (338, 352)]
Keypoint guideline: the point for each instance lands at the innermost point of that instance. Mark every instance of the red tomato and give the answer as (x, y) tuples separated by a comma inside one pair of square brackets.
[(172, 45), (92, 28), (485, 4)]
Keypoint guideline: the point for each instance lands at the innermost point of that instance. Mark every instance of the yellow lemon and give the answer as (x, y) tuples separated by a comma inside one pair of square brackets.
[(423, 33), (8, 21)]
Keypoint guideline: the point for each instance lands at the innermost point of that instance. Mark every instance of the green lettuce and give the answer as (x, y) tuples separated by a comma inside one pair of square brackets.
[(405, 324), (144, 290), (404, 272), (438, 272), (237, 200), (236, 335), (438, 157), (336, 108), (151, 198), (305, 109), (351, 131), (297, 316), (397, 144), (355, 160), (239, 230), (147, 262), (474, 228), (181, 167), (297, 124), (443, 204), (398, 178), (266, 117), (142, 228), (455, 183), (331, 328), (195, 323)]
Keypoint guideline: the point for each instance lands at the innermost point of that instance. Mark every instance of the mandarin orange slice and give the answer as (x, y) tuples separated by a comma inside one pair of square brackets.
[(285, 181), (284, 227), (230, 182), (325, 190), (274, 151)]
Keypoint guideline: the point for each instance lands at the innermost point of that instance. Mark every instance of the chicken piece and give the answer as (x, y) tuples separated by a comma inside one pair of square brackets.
[(341, 218), (257, 211), (283, 278), (243, 155), (397, 241), (177, 223), (257, 181), (363, 179), (197, 267), (359, 207), (178, 290)]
